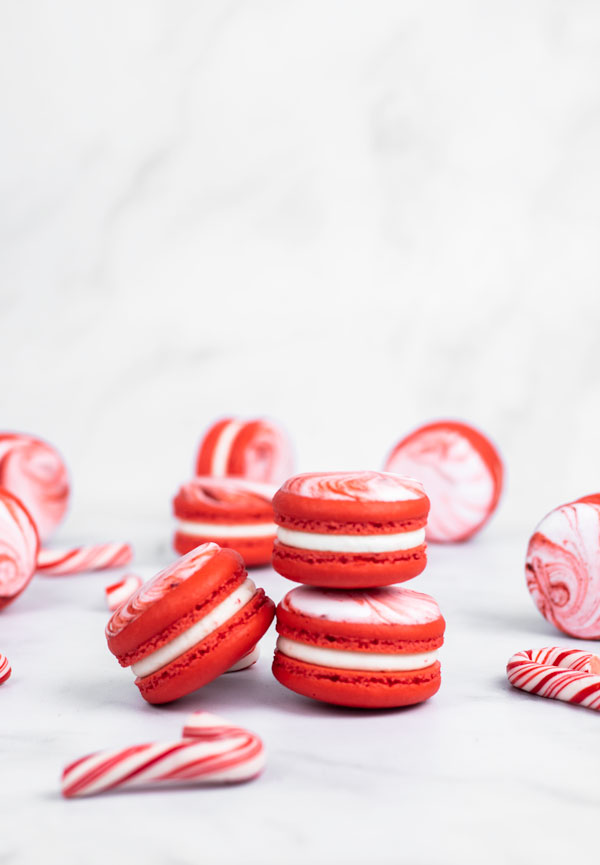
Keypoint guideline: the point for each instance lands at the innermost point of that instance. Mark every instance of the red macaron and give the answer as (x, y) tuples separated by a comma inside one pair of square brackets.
[(350, 530), (374, 648), (462, 472), (192, 622), (258, 450), (232, 512)]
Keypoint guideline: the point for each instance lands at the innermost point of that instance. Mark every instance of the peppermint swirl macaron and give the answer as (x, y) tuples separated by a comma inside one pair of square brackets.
[(350, 530), (193, 621), (373, 648), (232, 512), (462, 472)]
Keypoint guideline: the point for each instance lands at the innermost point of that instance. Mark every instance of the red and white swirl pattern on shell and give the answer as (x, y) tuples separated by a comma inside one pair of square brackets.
[(99, 557), (391, 605), (461, 486), (156, 588), (211, 752), (35, 472), (224, 493), (563, 568), (18, 547), (560, 674), (5, 669), (355, 486)]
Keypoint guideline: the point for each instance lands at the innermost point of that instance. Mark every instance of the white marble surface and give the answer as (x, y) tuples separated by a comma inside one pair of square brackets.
[(480, 773)]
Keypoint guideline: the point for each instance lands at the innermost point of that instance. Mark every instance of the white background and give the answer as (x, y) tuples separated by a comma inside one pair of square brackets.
[(352, 217)]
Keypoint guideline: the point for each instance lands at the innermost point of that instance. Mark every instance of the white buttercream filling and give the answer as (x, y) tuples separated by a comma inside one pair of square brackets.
[(226, 530), (232, 604), (341, 659), (218, 466), (351, 543)]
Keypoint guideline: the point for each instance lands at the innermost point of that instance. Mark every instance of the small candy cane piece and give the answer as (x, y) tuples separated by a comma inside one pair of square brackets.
[(78, 559), (118, 593), (560, 674), (5, 669), (205, 725), (245, 662), (216, 753)]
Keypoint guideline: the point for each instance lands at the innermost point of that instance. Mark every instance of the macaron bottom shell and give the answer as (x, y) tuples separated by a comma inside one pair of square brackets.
[(254, 551), (345, 570), (212, 656), (357, 688)]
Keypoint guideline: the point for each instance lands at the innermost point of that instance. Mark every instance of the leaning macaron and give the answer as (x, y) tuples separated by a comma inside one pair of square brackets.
[(259, 450), (369, 649), (192, 622), (350, 530), (462, 472), (232, 512)]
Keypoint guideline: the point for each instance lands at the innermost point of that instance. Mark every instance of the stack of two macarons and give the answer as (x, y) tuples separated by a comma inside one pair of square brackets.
[(349, 636)]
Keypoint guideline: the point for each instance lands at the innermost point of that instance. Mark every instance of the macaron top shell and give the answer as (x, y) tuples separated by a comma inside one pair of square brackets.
[(224, 499), (397, 617), (180, 595), (333, 501)]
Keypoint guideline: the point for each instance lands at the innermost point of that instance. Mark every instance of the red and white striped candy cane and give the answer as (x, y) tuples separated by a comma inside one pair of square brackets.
[(236, 755), (94, 558), (205, 725), (245, 662), (560, 674), (120, 592), (5, 669)]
